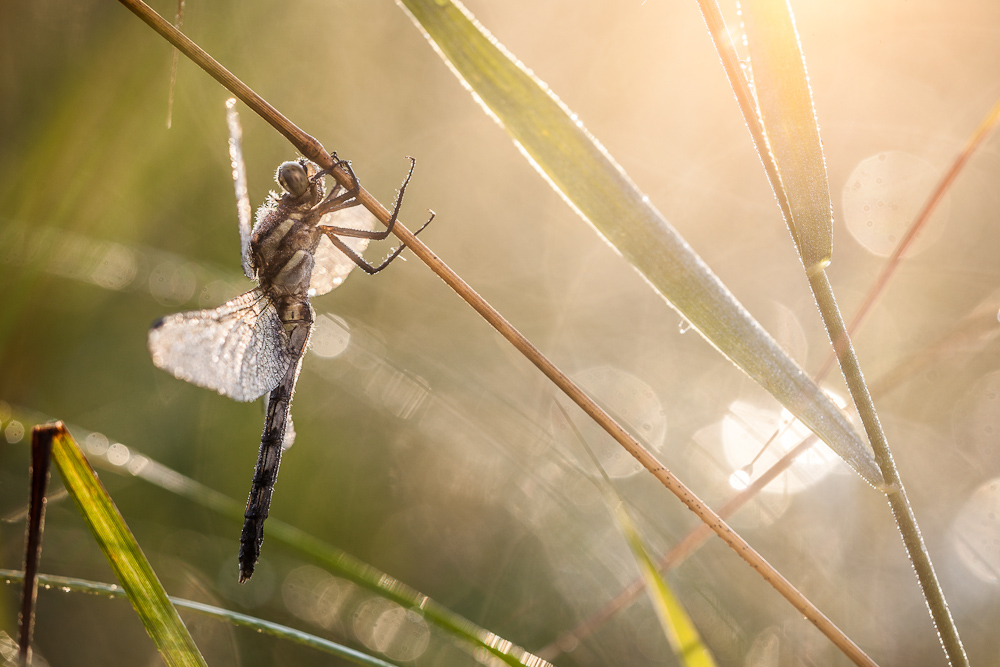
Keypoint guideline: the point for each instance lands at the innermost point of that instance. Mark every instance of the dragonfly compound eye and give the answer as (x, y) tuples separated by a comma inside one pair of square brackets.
[(293, 178)]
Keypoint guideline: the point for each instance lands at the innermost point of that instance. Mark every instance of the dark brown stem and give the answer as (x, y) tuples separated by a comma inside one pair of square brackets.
[(41, 463)]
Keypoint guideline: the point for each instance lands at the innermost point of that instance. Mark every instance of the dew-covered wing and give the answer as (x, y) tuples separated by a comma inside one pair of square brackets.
[(238, 349), (332, 266)]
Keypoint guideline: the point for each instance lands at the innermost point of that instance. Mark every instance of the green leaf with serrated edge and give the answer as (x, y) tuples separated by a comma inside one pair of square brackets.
[(129, 564), (593, 184), (786, 111)]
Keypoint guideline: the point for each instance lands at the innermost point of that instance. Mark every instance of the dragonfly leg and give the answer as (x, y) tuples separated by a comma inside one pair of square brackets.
[(357, 259), (333, 201), (364, 233), (278, 418)]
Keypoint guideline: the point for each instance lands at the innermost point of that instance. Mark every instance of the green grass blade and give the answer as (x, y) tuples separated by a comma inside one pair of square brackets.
[(785, 103), (677, 625), (679, 629), (335, 560), (275, 629), (594, 185), (141, 585)]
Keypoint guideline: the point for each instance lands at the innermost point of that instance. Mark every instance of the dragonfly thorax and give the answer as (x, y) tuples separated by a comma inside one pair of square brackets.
[(282, 247), (285, 236)]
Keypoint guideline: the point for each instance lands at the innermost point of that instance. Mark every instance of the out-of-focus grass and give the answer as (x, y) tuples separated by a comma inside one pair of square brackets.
[(425, 448), (71, 585)]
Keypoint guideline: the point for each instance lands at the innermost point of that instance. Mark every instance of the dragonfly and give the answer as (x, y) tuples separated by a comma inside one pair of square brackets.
[(303, 244)]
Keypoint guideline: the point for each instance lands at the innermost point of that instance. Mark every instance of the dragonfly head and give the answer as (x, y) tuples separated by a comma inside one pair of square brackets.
[(294, 178)]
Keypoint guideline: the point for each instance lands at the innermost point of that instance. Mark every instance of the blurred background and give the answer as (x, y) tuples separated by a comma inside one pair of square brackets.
[(426, 446)]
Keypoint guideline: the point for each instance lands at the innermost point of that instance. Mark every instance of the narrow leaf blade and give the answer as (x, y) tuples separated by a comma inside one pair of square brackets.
[(677, 625), (592, 183), (679, 629), (790, 125), (144, 590)]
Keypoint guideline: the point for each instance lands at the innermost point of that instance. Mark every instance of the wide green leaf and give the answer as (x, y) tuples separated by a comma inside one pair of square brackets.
[(594, 185)]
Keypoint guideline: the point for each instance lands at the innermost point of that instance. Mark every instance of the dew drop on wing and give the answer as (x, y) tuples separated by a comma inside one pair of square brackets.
[(234, 349)]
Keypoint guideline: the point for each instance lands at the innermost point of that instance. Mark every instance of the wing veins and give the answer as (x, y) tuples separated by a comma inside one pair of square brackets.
[(235, 349)]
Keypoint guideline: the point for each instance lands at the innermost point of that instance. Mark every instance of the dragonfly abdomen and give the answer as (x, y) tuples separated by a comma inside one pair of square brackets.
[(297, 316)]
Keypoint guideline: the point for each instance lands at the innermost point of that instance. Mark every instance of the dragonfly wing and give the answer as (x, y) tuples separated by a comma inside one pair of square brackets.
[(332, 266), (238, 349), (240, 184)]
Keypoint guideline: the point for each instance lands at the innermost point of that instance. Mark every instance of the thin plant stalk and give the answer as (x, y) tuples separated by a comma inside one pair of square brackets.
[(175, 56), (815, 259), (717, 29), (694, 539), (313, 150), (894, 490)]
